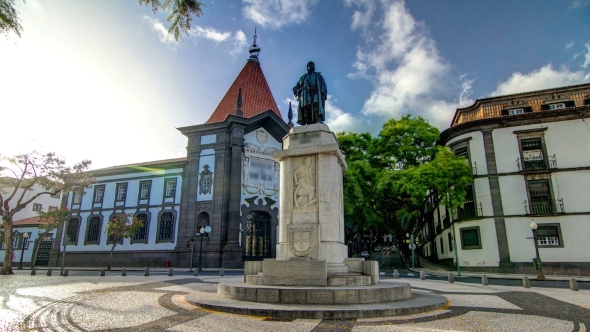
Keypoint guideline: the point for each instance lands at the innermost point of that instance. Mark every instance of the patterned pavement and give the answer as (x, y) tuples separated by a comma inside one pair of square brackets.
[(156, 303)]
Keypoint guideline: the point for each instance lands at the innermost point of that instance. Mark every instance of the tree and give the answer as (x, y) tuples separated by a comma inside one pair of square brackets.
[(49, 221), (392, 177), (122, 226), (182, 12), (21, 173)]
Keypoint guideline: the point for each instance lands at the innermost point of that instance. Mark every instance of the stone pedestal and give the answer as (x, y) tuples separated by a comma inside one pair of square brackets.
[(311, 224)]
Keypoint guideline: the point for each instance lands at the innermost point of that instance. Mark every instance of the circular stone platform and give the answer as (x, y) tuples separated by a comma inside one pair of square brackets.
[(419, 302), (380, 293)]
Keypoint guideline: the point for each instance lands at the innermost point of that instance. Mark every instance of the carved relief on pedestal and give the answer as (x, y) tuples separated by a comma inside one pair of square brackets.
[(302, 239), (205, 181), (304, 193)]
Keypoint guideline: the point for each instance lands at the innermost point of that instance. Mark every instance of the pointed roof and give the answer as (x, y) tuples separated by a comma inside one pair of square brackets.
[(256, 95)]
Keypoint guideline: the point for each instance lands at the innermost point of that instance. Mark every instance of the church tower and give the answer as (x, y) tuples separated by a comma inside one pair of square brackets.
[(230, 181)]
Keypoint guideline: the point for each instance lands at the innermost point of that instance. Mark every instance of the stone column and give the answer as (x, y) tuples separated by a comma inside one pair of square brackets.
[(235, 185)]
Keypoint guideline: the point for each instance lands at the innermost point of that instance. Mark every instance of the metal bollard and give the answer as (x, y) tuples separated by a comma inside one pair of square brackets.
[(395, 274), (102, 273), (484, 280), (422, 275), (573, 285), (124, 273), (33, 271), (66, 272), (196, 273), (221, 273), (170, 272), (525, 282), (147, 272), (49, 272), (451, 278)]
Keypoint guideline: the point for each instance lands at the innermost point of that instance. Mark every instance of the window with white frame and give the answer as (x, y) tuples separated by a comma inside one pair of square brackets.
[(77, 197), (549, 235), (37, 207), (121, 192), (53, 208), (57, 195), (98, 194), (557, 106), (516, 111), (170, 188), (144, 190)]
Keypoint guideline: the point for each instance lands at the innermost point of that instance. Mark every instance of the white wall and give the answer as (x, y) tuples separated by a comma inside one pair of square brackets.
[(514, 193), (568, 141), (488, 254), (45, 200), (483, 196), (574, 230), (476, 150), (574, 188)]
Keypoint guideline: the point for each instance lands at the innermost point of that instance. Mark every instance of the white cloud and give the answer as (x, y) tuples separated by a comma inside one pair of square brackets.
[(275, 14), (162, 32), (405, 67), (578, 3), (239, 42), (209, 33), (337, 119), (569, 45), (587, 56), (544, 78)]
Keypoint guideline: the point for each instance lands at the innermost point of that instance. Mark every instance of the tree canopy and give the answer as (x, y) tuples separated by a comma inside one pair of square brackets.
[(180, 18), (391, 176)]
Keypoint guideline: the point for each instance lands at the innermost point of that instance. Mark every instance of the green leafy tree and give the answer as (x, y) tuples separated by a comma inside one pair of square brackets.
[(23, 172), (122, 226), (180, 18), (390, 177), (49, 221)]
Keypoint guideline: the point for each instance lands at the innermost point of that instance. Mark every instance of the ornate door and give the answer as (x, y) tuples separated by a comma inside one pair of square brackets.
[(258, 236), (43, 254)]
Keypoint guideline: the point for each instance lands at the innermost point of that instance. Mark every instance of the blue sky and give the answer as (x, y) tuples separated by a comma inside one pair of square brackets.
[(101, 80)]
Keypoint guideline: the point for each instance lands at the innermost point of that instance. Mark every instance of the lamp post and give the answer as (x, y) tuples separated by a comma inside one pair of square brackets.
[(203, 231), (192, 243), (63, 257), (22, 251), (534, 227)]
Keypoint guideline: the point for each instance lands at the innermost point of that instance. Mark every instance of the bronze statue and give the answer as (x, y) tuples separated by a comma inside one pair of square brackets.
[(311, 92)]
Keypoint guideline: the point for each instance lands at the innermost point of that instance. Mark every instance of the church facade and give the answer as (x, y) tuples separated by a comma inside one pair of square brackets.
[(228, 181)]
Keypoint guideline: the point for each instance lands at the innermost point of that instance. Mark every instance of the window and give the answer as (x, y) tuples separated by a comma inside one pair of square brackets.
[(144, 190), (261, 171), (37, 207), (450, 238), (98, 194), (442, 246), (557, 106), (461, 149), (516, 111), (470, 238), (142, 234), (56, 195), (532, 154), (53, 208), (166, 229), (93, 232), (549, 235), (121, 191), (72, 231), (77, 197), (170, 188), (540, 194)]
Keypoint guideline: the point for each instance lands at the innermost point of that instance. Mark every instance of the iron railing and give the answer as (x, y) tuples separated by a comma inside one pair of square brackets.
[(467, 211), (546, 207), (535, 165)]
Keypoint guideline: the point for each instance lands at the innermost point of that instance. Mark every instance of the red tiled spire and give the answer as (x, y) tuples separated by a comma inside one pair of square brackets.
[(256, 95)]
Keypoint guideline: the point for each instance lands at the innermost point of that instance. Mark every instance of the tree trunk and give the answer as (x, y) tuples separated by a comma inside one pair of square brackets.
[(111, 255), (7, 264)]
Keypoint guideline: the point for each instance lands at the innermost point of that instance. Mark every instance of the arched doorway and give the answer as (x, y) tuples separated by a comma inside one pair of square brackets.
[(258, 233)]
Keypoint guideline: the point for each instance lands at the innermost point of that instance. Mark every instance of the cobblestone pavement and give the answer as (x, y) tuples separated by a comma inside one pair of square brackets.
[(156, 303)]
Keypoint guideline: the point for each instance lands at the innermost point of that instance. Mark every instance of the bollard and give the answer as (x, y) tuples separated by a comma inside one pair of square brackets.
[(49, 272), (422, 275), (573, 285), (170, 273), (525, 282), (124, 273), (484, 280), (221, 273), (33, 271), (102, 273), (451, 278), (147, 272), (395, 274), (66, 272), (196, 273)]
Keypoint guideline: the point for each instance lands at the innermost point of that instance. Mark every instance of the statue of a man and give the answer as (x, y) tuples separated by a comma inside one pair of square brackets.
[(311, 92)]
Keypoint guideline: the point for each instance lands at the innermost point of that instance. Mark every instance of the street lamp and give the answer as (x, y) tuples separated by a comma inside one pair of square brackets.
[(63, 256), (534, 227), (203, 231), (24, 241), (192, 246)]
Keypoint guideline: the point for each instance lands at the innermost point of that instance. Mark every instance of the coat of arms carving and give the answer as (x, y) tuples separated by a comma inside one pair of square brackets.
[(302, 240), (205, 181), (261, 136)]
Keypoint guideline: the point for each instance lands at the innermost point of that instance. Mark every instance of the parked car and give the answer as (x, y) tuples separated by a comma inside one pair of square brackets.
[(365, 254), (377, 249)]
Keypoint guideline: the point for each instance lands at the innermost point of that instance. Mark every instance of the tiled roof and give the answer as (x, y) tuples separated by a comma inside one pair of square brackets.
[(28, 221), (256, 95)]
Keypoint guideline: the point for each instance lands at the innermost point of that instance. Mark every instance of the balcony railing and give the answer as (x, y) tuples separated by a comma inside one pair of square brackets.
[(468, 212), (535, 165), (544, 207)]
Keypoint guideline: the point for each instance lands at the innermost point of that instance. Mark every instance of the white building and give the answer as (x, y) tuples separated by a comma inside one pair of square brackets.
[(531, 162)]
